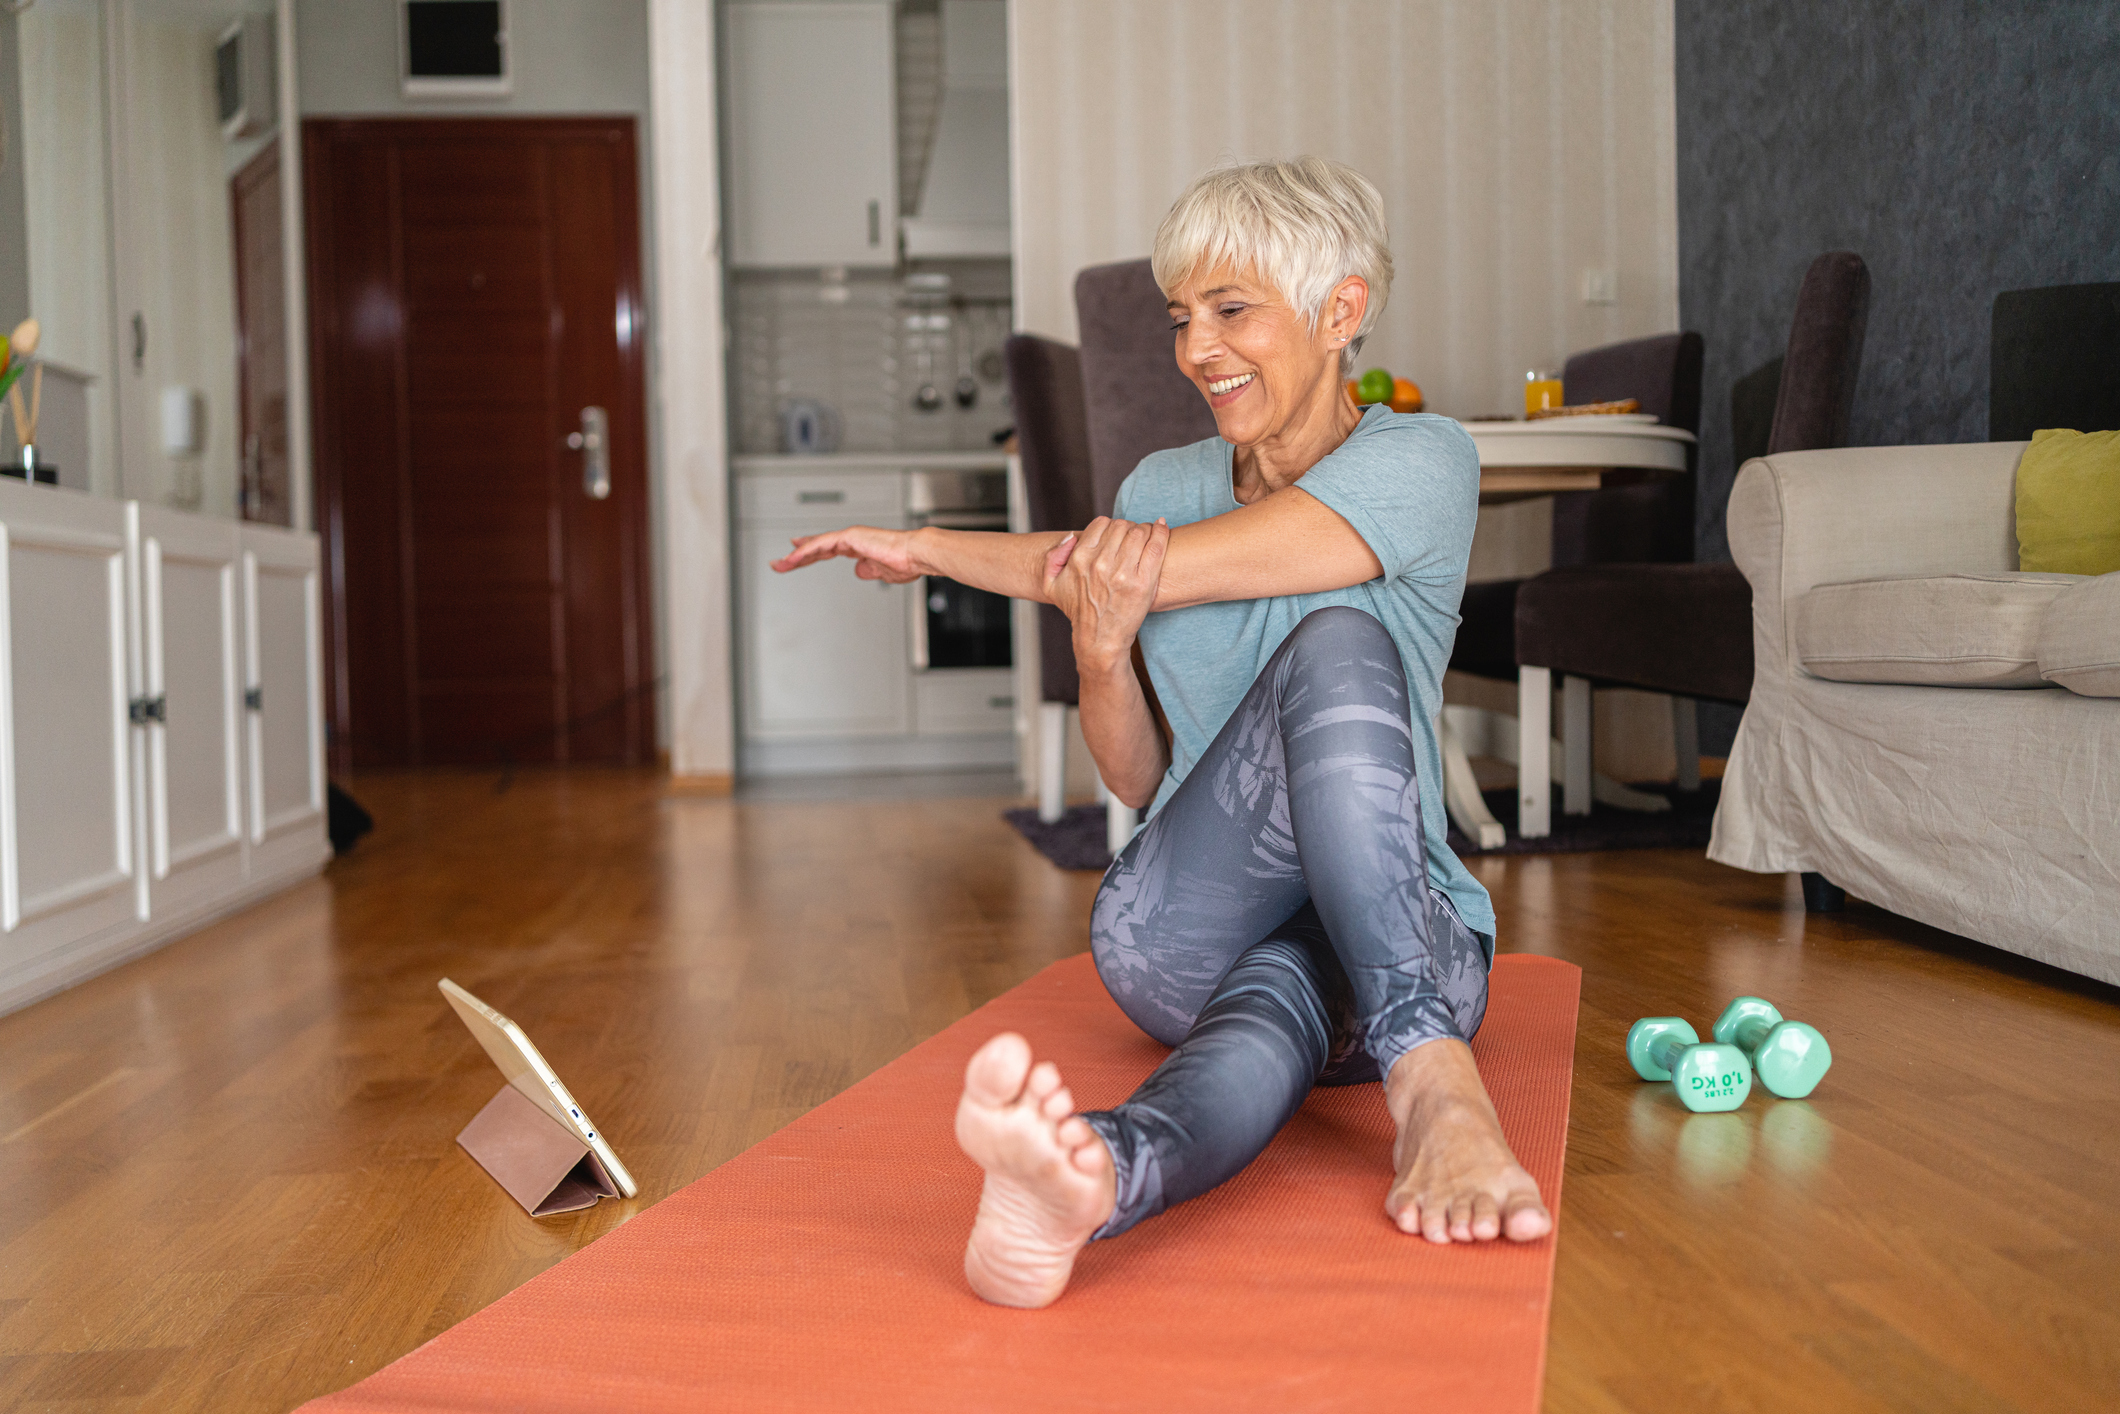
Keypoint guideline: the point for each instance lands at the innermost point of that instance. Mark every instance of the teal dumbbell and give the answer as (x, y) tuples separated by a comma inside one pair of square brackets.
[(1789, 1057), (1708, 1078)]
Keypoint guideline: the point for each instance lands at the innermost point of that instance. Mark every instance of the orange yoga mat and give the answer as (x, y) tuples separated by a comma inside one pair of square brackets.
[(821, 1269)]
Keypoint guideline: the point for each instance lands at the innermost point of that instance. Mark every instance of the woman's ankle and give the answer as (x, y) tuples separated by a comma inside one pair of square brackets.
[(1436, 1074)]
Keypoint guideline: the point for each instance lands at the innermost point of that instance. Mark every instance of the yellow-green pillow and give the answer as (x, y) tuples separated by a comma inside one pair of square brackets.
[(2068, 503)]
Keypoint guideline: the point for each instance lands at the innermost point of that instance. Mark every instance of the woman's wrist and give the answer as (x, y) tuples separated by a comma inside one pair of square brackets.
[(920, 549), (1094, 660)]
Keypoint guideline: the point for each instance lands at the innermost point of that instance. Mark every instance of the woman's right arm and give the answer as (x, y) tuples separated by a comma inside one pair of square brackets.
[(1105, 587), (1014, 565)]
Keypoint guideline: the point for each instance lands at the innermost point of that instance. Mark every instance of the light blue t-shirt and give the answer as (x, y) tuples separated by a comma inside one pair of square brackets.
[(1410, 486)]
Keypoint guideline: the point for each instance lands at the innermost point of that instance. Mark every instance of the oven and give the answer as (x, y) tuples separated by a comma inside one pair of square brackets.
[(955, 625)]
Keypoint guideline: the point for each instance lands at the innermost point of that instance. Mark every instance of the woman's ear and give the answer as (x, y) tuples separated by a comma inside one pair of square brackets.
[(1346, 306)]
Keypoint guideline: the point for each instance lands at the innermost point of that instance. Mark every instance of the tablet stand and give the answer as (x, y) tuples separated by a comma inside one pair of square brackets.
[(544, 1165)]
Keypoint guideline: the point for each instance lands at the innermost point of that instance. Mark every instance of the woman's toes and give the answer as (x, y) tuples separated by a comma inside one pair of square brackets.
[(996, 1074), (1461, 1218), (1044, 1080), (1058, 1105), (1526, 1219), (1486, 1218), (1435, 1222), (1086, 1150)]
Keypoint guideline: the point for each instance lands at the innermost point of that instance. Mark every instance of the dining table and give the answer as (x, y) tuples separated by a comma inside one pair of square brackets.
[(1520, 460)]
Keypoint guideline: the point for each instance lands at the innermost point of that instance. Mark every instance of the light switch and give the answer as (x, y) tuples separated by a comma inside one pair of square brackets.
[(183, 422), (1600, 286)]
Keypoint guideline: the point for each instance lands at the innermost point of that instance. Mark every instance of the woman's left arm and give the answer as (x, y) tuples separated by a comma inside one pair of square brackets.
[(1289, 542)]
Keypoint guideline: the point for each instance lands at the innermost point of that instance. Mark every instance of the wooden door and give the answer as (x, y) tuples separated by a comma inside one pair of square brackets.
[(261, 341), (475, 285)]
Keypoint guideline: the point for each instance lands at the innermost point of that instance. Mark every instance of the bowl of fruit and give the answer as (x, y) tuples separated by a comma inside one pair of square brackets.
[(1378, 386)]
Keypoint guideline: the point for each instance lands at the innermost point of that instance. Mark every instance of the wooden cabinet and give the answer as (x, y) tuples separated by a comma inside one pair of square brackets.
[(140, 794), (812, 120)]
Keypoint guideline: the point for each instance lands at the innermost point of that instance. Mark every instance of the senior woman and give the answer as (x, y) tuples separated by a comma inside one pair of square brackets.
[(1289, 915)]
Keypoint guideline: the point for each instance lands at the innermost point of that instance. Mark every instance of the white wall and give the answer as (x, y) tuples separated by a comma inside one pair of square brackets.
[(176, 262), (1516, 142), (67, 224), (565, 56), (693, 539)]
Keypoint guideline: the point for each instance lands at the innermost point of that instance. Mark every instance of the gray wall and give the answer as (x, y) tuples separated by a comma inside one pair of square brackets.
[(1961, 149)]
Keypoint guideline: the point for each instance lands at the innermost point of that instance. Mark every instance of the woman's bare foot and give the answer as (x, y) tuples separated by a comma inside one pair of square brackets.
[(1457, 1179), (1049, 1181)]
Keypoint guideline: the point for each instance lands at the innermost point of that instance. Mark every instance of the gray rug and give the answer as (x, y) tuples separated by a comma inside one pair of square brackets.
[(1076, 839)]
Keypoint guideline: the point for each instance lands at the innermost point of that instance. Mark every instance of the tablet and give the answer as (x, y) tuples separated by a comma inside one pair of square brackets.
[(528, 1072)]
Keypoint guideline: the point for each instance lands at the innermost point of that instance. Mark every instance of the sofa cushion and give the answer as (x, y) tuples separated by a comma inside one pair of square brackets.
[(2079, 639), (2068, 503), (1949, 630)]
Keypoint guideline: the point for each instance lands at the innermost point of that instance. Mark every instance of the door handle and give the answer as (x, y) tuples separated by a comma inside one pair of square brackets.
[(594, 443)]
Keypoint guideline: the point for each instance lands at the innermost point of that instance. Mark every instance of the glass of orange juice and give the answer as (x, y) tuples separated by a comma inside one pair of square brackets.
[(1542, 389)]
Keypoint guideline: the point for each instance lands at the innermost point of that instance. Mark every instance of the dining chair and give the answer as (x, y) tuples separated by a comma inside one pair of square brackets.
[(1134, 398), (1682, 629), (1052, 445), (1649, 521)]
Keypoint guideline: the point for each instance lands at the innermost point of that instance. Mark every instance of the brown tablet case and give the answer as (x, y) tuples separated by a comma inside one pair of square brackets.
[(544, 1165)]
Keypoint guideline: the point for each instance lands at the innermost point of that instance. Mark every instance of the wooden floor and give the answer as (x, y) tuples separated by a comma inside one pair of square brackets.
[(228, 1179)]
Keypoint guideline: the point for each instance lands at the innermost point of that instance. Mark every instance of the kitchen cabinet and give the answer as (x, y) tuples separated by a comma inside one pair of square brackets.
[(143, 790), (824, 652), (812, 115), (828, 682)]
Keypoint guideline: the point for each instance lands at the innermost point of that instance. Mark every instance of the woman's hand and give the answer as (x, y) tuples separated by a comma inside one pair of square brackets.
[(1105, 581), (877, 554)]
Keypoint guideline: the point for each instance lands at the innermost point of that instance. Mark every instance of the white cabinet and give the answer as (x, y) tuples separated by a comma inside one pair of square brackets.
[(813, 166), (69, 858), (139, 796), (283, 694), (191, 631), (825, 660), (824, 654)]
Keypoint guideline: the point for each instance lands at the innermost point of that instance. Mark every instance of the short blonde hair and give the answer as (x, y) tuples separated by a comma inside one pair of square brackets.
[(1303, 226)]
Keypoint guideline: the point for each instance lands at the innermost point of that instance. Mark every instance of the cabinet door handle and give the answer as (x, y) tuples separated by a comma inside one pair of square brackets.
[(819, 498), (875, 223)]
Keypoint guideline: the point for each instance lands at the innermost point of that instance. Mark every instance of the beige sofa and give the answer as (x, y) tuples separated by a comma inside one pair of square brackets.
[(1989, 810)]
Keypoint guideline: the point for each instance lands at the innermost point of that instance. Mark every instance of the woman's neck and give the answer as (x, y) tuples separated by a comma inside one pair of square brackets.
[(1276, 461)]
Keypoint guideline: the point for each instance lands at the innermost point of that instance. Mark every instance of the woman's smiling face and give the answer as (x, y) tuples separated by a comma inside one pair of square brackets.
[(1253, 356)]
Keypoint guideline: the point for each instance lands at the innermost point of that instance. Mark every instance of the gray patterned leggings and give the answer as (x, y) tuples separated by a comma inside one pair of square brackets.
[(1273, 921)]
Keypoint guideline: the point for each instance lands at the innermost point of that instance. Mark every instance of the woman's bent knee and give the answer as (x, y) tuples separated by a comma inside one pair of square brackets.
[(1342, 626)]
